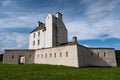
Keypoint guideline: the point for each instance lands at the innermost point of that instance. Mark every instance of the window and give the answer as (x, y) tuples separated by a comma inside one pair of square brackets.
[(30, 56), (91, 54), (38, 56), (41, 55), (33, 43), (12, 56), (105, 54), (66, 54), (45, 55), (60, 54), (34, 35), (50, 55), (54, 54), (38, 42), (39, 34), (98, 54)]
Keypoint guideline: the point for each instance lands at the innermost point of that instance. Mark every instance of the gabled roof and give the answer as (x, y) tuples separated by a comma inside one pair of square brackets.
[(42, 26)]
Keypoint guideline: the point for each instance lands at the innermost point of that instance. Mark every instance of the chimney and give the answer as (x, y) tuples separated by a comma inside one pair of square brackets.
[(74, 40), (59, 15), (39, 24)]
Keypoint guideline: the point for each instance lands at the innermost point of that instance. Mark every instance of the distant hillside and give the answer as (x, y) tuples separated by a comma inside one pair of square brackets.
[(118, 57), (1, 57)]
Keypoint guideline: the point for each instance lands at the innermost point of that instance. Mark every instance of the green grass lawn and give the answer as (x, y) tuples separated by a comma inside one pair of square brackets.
[(49, 72)]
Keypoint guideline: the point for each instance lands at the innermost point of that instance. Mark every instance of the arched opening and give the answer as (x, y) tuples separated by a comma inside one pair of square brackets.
[(21, 60)]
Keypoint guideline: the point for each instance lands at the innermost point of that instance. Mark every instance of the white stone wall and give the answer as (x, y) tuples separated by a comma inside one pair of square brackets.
[(45, 37), (55, 34), (65, 55), (69, 55), (49, 31), (37, 37)]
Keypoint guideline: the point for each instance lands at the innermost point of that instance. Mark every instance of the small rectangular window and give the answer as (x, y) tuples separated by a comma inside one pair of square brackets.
[(30, 56), (60, 54), (91, 54), (41, 55), (33, 43), (45, 55), (38, 56), (98, 54), (105, 55), (12, 56), (34, 35), (54, 54), (39, 34), (66, 54), (38, 42), (50, 55)]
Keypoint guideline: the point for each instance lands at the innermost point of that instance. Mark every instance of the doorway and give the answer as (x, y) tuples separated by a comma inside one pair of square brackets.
[(21, 60)]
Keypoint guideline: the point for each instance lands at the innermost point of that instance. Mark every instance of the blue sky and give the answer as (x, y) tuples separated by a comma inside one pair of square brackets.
[(96, 23)]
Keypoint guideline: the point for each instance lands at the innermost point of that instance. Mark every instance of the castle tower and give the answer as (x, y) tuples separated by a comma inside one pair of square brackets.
[(52, 33)]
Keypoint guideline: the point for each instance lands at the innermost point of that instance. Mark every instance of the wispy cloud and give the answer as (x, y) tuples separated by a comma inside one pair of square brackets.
[(20, 39), (99, 22), (7, 3), (105, 29), (101, 8), (21, 21)]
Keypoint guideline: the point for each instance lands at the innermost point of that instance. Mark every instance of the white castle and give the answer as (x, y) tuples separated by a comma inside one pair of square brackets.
[(48, 44)]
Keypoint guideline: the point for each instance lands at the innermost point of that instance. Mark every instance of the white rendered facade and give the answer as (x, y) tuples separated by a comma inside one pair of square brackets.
[(50, 34)]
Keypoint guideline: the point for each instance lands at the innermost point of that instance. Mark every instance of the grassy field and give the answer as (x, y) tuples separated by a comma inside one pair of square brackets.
[(48, 72)]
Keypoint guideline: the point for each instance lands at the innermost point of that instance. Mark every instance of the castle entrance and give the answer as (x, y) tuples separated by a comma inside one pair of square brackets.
[(21, 60)]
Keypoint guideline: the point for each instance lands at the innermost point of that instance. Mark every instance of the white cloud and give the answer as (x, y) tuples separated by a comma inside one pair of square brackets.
[(21, 21), (101, 8), (20, 39), (103, 29), (100, 21), (6, 3), (1, 46)]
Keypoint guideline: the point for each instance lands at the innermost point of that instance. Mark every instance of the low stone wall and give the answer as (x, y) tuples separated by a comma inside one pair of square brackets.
[(103, 57), (13, 56), (62, 55)]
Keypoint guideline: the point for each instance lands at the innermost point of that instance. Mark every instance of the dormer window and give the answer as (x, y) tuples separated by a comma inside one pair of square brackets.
[(43, 28)]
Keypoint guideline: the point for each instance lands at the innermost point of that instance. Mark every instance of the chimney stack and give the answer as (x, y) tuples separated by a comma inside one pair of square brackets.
[(59, 15), (39, 23), (74, 40)]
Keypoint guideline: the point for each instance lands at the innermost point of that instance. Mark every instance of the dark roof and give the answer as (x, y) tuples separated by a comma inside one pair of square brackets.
[(19, 49), (38, 28), (99, 48)]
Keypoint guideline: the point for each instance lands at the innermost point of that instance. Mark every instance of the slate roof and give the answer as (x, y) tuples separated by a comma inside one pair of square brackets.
[(42, 26), (99, 48)]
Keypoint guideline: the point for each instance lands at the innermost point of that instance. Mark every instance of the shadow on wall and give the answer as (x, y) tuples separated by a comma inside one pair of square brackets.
[(98, 61), (117, 53), (1, 57), (91, 57)]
